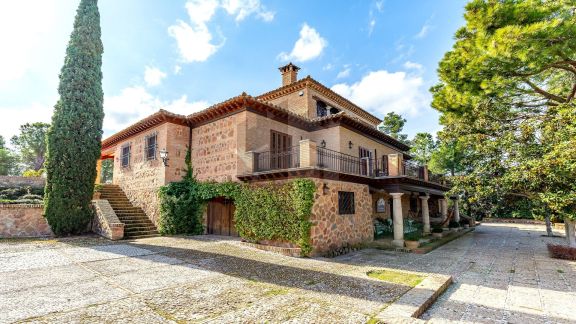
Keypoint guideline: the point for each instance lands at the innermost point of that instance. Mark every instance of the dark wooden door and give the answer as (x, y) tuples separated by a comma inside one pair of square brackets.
[(221, 217), (280, 146)]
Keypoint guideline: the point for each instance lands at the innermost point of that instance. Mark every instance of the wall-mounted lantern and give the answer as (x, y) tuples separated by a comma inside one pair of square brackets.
[(323, 144), (164, 156), (325, 189), (350, 144)]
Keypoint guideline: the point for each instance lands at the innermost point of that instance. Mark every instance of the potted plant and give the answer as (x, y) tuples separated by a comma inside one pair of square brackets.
[(437, 232), (453, 225), (464, 223), (412, 240)]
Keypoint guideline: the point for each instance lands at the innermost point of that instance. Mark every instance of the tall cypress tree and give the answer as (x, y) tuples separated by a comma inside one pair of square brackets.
[(74, 137)]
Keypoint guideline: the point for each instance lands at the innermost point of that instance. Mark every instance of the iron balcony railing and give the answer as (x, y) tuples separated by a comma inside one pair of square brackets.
[(277, 160), (339, 162), (345, 163)]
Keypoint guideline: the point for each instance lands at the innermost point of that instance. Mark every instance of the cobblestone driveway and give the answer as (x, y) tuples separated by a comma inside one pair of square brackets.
[(502, 274)]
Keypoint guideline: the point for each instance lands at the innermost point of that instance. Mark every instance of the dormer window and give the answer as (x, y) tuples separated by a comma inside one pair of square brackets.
[(321, 109)]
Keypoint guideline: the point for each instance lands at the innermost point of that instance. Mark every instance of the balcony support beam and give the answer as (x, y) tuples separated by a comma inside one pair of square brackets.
[(425, 214)]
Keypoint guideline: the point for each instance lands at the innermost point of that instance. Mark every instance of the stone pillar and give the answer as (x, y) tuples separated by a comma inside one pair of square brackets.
[(249, 160), (456, 210), (425, 214), (308, 153), (98, 171), (443, 208), (394, 164), (398, 219)]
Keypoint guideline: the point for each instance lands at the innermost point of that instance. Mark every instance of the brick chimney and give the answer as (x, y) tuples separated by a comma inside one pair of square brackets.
[(289, 73)]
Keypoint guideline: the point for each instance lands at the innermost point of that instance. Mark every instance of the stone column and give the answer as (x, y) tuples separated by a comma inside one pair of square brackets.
[(249, 159), (308, 153), (443, 208), (398, 219), (425, 214), (456, 210), (98, 171)]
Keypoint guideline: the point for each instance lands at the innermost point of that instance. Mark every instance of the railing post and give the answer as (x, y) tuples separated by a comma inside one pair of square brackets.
[(308, 153)]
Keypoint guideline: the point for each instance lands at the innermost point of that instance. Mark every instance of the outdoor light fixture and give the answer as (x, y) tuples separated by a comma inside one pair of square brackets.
[(350, 144), (325, 189), (323, 144), (164, 156)]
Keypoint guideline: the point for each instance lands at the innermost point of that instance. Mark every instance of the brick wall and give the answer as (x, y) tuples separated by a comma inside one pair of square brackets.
[(23, 221), (216, 147)]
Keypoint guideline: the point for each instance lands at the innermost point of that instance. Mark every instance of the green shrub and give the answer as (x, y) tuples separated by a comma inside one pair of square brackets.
[(437, 229), (12, 193), (276, 212), (413, 236), (180, 208), (453, 224)]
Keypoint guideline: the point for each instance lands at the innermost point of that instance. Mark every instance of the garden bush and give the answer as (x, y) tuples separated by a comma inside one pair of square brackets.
[(453, 224), (559, 251), (13, 193)]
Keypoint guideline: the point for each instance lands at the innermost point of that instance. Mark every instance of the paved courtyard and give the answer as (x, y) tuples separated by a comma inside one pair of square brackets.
[(502, 274)]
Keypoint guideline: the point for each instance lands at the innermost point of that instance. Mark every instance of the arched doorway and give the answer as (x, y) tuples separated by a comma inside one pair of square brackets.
[(221, 217)]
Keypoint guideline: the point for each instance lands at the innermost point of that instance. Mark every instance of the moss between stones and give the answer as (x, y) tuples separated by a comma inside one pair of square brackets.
[(401, 278)]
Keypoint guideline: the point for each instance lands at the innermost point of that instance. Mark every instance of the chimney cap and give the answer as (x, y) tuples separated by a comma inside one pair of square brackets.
[(289, 67)]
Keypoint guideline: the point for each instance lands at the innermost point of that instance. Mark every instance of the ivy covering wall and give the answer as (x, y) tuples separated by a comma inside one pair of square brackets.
[(263, 212)]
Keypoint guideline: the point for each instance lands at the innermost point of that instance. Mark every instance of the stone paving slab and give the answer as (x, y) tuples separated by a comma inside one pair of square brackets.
[(502, 274)]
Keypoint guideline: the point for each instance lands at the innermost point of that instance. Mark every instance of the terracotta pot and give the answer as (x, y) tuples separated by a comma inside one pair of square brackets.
[(466, 226), (412, 244), (437, 235)]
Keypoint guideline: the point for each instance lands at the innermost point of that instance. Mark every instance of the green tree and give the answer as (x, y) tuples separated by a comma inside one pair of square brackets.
[(8, 163), (423, 146), (76, 131), (510, 74), (2, 142), (392, 125), (31, 144)]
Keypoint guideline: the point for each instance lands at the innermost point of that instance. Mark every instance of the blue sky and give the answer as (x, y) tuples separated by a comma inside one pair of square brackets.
[(185, 55)]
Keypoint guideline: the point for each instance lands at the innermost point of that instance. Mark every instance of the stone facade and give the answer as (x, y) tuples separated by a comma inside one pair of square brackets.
[(105, 222), (23, 221), (330, 230)]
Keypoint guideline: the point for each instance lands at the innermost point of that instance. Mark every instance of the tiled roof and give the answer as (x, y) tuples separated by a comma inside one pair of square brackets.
[(257, 105)]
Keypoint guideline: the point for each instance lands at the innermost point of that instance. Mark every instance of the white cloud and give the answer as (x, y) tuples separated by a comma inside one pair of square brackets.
[(29, 33), (423, 31), (344, 73), (177, 69), (13, 117), (413, 66), (135, 103), (381, 92), (195, 40), (153, 76), (244, 8), (309, 46), (371, 26)]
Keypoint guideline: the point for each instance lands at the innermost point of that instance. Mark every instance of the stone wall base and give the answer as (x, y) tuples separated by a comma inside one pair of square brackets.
[(23, 221), (293, 252), (105, 222)]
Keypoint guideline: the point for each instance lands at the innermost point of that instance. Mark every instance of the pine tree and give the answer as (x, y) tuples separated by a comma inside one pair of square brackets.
[(74, 137)]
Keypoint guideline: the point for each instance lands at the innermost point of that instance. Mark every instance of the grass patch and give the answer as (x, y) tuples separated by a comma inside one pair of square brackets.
[(276, 292), (401, 278), (560, 270)]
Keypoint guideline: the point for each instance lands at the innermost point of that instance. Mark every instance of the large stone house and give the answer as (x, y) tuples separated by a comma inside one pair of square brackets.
[(299, 130)]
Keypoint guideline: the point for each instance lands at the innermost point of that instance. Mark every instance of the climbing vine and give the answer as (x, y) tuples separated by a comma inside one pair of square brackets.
[(263, 212)]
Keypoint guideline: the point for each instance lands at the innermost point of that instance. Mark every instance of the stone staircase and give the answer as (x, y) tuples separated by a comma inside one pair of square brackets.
[(136, 223)]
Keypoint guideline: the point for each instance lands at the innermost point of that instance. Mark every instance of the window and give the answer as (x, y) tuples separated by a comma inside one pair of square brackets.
[(321, 109), (384, 165), (151, 144), (345, 203), (126, 155)]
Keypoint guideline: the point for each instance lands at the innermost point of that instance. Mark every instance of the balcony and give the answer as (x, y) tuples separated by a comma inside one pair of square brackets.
[(307, 155)]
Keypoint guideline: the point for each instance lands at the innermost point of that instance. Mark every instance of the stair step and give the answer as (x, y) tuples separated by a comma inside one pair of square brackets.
[(141, 236)]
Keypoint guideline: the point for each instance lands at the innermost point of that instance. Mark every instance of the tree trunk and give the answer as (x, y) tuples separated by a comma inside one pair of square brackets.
[(570, 228), (548, 225)]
